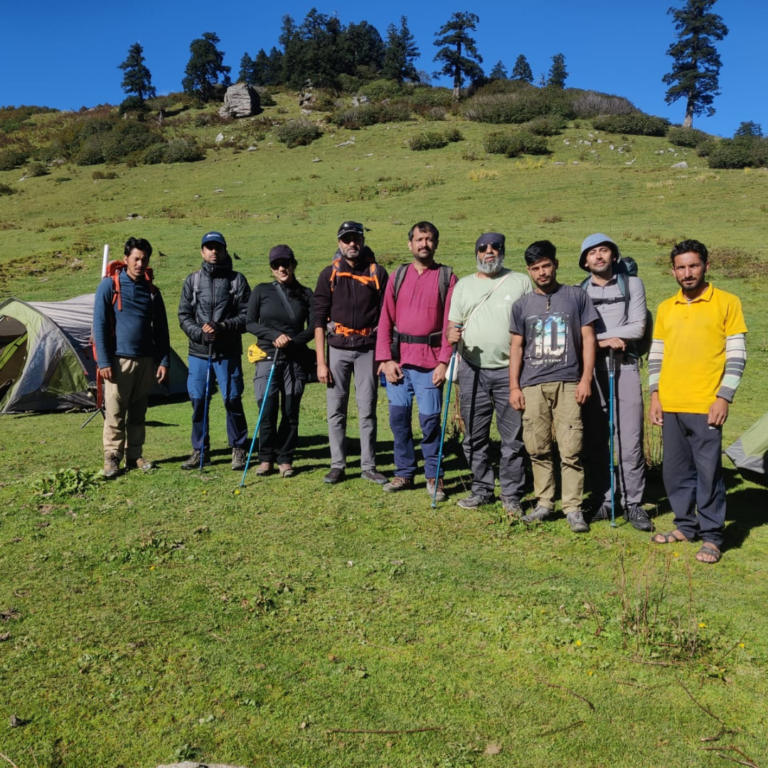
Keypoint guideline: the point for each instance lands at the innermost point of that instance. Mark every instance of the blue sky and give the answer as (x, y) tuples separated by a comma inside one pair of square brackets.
[(65, 54)]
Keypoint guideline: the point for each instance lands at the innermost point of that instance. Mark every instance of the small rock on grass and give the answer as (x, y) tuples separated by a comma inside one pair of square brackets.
[(188, 764)]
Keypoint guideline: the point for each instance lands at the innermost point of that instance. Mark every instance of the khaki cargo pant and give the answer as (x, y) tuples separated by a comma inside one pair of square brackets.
[(125, 405), (546, 406)]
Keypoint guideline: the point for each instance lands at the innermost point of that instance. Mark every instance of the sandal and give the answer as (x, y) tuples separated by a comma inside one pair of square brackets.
[(709, 550), (286, 470), (669, 538)]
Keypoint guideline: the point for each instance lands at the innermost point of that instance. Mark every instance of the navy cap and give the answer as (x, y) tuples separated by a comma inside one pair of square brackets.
[(350, 226), (490, 237), (213, 237)]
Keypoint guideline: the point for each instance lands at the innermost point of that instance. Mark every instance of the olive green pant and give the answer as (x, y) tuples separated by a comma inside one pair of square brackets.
[(549, 408), (125, 406)]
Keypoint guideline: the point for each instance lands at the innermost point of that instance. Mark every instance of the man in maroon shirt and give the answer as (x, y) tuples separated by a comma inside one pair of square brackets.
[(414, 354)]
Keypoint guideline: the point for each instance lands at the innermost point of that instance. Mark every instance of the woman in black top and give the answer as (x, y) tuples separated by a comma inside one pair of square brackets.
[(281, 316)]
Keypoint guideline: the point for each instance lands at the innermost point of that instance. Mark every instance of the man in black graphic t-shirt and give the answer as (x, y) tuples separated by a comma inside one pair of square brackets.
[(551, 362)]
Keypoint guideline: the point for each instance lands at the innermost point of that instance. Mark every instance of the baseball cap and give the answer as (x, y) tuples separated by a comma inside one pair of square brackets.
[(281, 252), (350, 226), (213, 237)]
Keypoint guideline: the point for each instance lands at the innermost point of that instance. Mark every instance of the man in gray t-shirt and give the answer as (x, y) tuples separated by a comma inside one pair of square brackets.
[(551, 361)]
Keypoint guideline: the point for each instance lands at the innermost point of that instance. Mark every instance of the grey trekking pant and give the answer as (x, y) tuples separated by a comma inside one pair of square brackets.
[(628, 436), (481, 391), (343, 364)]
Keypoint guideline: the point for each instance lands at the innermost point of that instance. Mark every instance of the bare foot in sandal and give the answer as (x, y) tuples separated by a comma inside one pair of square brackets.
[(709, 553), (669, 538)]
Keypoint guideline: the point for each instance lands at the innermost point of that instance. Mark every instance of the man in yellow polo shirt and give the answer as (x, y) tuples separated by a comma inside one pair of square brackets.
[(695, 365)]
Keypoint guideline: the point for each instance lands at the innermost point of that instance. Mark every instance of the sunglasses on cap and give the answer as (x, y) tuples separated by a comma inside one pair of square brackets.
[(285, 264), (485, 246)]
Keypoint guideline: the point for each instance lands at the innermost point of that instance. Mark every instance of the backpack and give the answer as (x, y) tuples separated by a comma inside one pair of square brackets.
[(625, 268), (446, 273), (371, 277), (114, 268)]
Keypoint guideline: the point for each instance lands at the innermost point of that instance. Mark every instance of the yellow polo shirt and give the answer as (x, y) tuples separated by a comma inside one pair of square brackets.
[(694, 347)]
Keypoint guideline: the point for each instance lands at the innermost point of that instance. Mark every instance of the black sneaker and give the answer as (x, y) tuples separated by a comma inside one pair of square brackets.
[(603, 512), (638, 518), (577, 522), (335, 476), (538, 514), (193, 462), (473, 501), (374, 476), (512, 508)]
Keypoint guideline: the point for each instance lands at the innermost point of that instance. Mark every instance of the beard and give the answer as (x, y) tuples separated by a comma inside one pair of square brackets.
[(490, 267)]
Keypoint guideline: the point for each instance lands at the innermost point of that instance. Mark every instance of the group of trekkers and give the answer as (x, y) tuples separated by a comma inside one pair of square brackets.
[(556, 363)]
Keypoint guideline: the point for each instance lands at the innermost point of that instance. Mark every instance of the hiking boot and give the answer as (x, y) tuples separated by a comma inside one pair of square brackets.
[(286, 470), (335, 476), (512, 508), (441, 495), (638, 518), (473, 501), (193, 462), (111, 465), (577, 522), (374, 476), (139, 463), (603, 512), (538, 514), (264, 469), (397, 484), (238, 459)]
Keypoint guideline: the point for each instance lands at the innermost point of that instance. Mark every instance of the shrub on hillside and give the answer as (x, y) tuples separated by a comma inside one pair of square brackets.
[(37, 169), (153, 155), (6, 190), (182, 150), (297, 133), (370, 114), (686, 137), (739, 153), (126, 138), (427, 140), (636, 124), (524, 143), (592, 103), (453, 134), (432, 114), (12, 158), (550, 125), (91, 152), (97, 175), (266, 99), (519, 106), (496, 143)]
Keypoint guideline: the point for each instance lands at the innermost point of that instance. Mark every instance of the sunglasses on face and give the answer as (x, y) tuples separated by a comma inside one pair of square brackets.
[(285, 264), (351, 237), (485, 246)]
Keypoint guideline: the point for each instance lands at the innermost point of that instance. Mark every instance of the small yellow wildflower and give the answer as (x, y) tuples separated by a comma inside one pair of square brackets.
[(237, 493), (676, 554), (591, 672), (702, 625), (741, 645), (578, 642)]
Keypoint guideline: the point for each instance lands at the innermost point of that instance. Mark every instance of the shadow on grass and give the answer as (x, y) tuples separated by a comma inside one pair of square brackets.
[(745, 507)]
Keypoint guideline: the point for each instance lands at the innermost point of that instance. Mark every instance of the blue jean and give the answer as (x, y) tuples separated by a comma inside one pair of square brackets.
[(228, 374), (416, 382)]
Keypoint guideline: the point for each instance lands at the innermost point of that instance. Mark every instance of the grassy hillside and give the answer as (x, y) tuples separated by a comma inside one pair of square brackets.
[(172, 616)]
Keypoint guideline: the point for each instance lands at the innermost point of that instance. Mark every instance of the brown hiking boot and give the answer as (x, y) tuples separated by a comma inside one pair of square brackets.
[(441, 494), (139, 463), (397, 484), (111, 465)]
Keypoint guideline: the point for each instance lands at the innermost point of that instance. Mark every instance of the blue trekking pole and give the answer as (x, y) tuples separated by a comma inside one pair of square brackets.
[(451, 366), (205, 411), (611, 425), (261, 414)]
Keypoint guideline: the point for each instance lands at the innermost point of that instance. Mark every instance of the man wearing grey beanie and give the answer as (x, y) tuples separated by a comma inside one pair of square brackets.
[(478, 322)]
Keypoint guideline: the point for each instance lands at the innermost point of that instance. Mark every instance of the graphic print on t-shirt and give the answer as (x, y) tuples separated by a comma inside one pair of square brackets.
[(547, 340)]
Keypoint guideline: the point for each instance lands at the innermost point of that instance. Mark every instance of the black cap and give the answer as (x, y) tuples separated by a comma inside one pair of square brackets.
[(490, 237), (281, 252), (350, 226)]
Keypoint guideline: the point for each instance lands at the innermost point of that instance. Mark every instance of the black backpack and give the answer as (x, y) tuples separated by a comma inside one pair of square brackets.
[(625, 268)]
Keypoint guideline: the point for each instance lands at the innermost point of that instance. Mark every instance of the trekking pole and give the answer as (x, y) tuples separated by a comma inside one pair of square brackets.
[(451, 366), (611, 425), (261, 414), (205, 410)]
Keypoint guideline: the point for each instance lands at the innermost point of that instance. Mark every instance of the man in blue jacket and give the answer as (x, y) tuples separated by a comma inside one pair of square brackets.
[(212, 313), (130, 331)]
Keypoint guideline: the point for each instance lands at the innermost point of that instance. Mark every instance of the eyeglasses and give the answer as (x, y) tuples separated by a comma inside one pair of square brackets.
[(485, 246), (285, 264)]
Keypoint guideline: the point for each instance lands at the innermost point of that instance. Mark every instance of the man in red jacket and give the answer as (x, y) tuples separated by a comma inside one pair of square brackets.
[(348, 300)]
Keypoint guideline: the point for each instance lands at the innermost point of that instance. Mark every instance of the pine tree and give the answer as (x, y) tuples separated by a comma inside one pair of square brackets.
[(401, 51), (522, 70), (365, 49), (137, 81), (696, 62), (459, 52), (247, 70), (499, 72), (205, 68), (557, 72)]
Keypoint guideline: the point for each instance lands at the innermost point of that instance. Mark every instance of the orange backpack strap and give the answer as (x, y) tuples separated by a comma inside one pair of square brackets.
[(371, 277)]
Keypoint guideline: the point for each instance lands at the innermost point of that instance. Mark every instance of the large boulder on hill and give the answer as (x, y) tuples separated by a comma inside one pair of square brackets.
[(241, 100)]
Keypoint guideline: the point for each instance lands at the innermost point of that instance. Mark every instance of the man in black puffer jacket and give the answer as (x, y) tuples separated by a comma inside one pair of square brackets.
[(212, 311)]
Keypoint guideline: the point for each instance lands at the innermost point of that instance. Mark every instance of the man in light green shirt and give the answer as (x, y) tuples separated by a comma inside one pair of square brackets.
[(478, 321)]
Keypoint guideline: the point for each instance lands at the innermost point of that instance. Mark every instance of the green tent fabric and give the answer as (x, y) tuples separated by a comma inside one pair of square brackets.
[(53, 369), (750, 451), (755, 439)]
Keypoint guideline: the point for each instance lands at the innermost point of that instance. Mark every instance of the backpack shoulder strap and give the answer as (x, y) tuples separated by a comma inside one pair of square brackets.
[(398, 279), (446, 273), (195, 287), (623, 283)]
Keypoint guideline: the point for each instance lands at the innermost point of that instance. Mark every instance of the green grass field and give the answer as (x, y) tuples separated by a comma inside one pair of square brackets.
[(168, 616)]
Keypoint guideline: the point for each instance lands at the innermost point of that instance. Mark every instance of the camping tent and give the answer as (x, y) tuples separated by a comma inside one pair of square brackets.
[(46, 361), (750, 451)]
